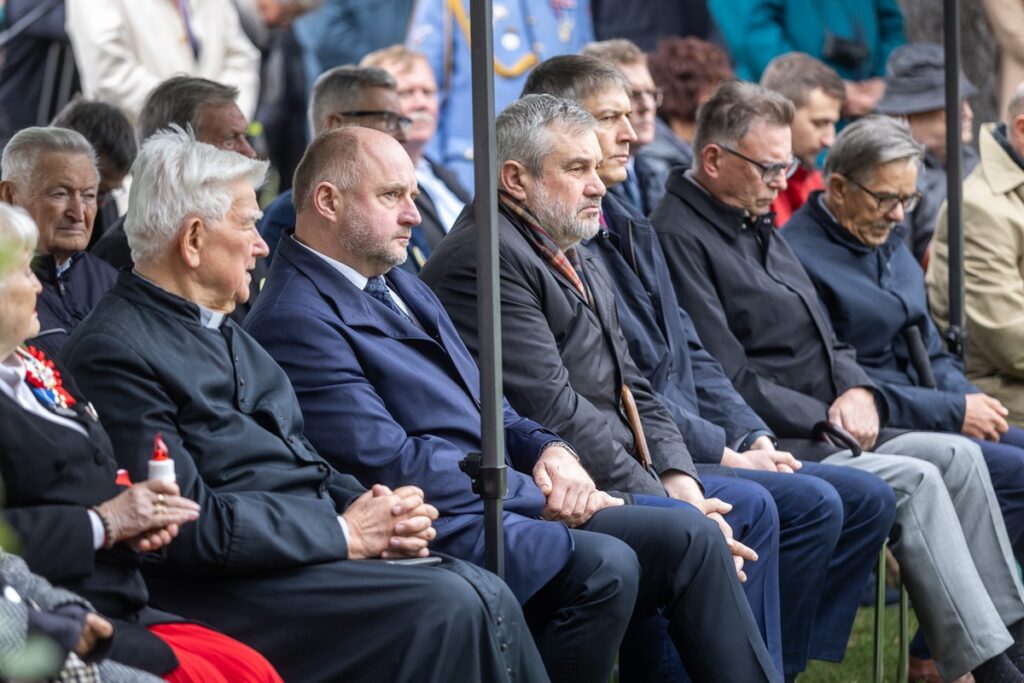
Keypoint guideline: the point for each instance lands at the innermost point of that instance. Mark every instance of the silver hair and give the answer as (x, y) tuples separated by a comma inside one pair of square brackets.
[(732, 110), (340, 89), (523, 130), (868, 143), (176, 177), (22, 153), (18, 237)]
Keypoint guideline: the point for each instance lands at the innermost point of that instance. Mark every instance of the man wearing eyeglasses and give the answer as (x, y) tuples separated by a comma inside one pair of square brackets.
[(759, 314), (351, 95), (850, 239)]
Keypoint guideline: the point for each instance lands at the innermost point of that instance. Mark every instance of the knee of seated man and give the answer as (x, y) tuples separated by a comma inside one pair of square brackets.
[(815, 505), (450, 600), (868, 497)]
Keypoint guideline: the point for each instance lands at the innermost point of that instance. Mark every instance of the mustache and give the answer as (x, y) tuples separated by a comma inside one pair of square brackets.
[(589, 204)]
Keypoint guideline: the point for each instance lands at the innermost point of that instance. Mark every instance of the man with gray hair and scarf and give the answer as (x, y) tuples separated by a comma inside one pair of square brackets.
[(758, 312), (566, 365), (272, 561), (51, 173)]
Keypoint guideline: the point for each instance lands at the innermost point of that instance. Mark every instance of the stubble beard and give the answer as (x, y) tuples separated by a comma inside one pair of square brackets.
[(562, 222)]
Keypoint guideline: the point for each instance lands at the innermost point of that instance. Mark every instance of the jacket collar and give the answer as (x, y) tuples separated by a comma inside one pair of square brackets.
[(1001, 171), (141, 291), (45, 266), (729, 220), (350, 304), (837, 233)]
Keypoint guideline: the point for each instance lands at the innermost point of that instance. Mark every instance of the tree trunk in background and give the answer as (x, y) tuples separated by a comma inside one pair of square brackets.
[(978, 50)]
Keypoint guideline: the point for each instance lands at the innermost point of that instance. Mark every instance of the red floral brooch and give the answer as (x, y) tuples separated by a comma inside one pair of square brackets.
[(44, 379)]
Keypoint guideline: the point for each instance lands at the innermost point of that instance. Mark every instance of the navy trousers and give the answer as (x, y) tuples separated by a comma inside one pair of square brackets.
[(832, 523), (647, 652)]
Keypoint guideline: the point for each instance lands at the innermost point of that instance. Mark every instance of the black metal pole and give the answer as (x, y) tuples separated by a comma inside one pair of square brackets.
[(492, 470), (955, 333)]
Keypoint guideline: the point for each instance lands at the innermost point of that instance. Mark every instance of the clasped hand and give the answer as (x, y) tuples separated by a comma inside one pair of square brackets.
[(572, 497), (855, 411), (147, 515), (683, 487), (390, 524)]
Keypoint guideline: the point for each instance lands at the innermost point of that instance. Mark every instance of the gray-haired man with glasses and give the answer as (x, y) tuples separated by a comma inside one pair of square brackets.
[(759, 314)]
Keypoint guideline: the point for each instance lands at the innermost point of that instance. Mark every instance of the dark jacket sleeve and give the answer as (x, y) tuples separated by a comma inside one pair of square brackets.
[(363, 438), (788, 412), (49, 27), (718, 399), (524, 439), (536, 381), (237, 532), (668, 451), (56, 540)]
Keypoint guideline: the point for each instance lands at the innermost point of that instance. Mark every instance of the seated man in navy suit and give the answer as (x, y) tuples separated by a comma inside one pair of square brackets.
[(390, 393)]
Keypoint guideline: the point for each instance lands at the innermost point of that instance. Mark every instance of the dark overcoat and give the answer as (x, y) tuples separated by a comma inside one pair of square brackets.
[(394, 403), (68, 297), (663, 342), (564, 361), (873, 294), (757, 312)]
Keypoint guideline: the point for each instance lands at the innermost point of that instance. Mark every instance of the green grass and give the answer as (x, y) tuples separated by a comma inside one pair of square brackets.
[(858, 665)]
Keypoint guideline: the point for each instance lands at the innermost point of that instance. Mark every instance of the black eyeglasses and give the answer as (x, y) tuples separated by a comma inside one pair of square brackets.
[(392, 122), (657, 95), (769, 172), (887, 201)]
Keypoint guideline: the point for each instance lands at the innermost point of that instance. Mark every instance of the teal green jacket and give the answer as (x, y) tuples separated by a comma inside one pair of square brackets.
[(756, 31)]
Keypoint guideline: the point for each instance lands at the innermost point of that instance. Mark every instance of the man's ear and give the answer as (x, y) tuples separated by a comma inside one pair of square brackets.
[(711, 160), (191, 240), (7, 192), (1017, 124), (514, 179), (837, 187), (327, 201)]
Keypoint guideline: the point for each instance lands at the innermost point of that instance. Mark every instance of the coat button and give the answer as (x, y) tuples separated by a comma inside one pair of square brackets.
[(504, 647), (241, 380)]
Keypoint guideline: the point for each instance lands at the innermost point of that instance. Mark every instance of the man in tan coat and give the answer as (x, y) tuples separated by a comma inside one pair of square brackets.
[(993, 263)]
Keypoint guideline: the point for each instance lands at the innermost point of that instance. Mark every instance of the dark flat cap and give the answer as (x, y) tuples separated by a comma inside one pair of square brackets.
[(915, 80)]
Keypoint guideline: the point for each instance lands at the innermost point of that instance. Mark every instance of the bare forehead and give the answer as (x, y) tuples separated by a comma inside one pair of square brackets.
[(567, 146), (387, 161), (767, 142), (69, 168)]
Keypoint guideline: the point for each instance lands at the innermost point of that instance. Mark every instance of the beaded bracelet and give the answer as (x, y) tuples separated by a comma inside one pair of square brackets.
[(108, 531)]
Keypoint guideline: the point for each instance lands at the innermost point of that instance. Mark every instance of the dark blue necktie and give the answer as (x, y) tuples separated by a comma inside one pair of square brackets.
[(378, 289)]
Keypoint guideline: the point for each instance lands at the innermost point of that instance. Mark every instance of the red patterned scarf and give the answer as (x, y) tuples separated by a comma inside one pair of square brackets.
[(565, 262)]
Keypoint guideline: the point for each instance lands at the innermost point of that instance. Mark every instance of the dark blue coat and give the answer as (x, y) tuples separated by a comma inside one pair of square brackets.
[(390, 402), (685, 377), (872, 294)]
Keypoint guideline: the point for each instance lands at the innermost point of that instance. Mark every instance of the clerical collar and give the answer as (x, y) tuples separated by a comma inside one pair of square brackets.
[(207, 316)]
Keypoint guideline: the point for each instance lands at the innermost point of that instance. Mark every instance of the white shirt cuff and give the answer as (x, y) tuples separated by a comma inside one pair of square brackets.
[(344, 529), (98, 535)]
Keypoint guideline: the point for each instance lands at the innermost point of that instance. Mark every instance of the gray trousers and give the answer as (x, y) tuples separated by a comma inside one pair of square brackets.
[(949, 538)]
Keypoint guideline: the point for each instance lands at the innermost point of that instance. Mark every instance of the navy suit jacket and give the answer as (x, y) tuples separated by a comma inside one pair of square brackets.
[(873, 294), (392, 403)]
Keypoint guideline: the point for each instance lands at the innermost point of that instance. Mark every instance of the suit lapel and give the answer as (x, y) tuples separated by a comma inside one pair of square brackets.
[(351, 305)]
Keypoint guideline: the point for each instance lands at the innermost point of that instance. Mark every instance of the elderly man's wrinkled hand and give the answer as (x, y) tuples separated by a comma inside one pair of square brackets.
[(390, 524), (855, 411)]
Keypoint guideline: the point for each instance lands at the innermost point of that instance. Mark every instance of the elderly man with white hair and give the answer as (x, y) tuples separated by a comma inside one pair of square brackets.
[(51, 173), (272, 558)]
